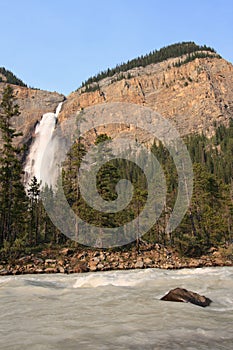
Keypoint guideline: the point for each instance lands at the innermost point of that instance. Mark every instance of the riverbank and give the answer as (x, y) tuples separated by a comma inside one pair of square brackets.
[(71, 260)]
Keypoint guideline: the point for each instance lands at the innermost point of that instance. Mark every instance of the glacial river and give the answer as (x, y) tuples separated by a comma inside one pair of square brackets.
[(116, 310)]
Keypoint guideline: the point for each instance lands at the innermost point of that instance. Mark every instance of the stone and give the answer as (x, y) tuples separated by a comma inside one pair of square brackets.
[(218, 262), (92, 267), (23, 259), (50, 270), (102, 256), (139, 264), (61, 269), (96, 260), (93, 263), (82, 256), (96, 254), (65, 251), (148, 261), (121, 266), (100, 266), (80, 268), (186, 296), (60, 262), (17, 270), (216, 253), (50, 263), (212, 250), (167, 266), (38, 261)]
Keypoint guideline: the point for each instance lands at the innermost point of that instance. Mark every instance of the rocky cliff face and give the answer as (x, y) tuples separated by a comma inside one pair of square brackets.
[(195, 96), (32, 105)]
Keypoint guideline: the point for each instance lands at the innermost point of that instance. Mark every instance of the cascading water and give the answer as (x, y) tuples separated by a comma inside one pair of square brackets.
[(43, 146), (116, 310)]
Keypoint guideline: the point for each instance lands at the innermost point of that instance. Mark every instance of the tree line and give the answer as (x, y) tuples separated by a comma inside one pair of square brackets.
[(209, 218), (24, 223), (156, 56), (10, 78), (191, 57)]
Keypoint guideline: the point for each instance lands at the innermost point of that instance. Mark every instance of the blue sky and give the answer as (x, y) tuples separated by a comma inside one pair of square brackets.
[(57, 44)]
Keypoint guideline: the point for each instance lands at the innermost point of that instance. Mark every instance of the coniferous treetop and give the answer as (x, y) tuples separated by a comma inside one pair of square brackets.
[(156, 56), (10, 78)]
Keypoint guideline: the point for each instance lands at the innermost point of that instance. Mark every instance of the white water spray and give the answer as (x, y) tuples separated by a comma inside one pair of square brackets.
[(43, 139)]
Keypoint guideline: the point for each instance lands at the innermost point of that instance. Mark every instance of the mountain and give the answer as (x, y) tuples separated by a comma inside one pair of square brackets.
[(7, 76), (189, 84), (33, 103), (189, 48), (194, 94)]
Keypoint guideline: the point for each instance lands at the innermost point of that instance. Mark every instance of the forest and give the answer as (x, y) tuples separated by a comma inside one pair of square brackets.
[(172, 51), (10, 77), (25, 225)]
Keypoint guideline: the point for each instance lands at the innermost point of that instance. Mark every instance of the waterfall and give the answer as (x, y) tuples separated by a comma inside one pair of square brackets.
[(42, 149)]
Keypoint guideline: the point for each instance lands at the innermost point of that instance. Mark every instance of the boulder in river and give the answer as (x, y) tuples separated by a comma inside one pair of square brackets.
[(186, 296)]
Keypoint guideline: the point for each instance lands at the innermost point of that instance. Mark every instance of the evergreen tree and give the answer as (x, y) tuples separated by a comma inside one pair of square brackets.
[(70, 178), (46, 226), (11, 78), (13, 202), (34, 210), (190, 49)]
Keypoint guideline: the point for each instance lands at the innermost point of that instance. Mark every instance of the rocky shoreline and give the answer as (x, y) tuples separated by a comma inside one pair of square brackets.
[(68, 260)]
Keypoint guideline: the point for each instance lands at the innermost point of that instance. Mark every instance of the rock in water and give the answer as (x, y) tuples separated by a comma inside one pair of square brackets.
[(186, 296)]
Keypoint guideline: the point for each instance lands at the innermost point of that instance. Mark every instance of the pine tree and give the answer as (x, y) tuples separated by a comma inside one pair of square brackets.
[(13, 202), (47, 228), (34, 210), (70, 178)]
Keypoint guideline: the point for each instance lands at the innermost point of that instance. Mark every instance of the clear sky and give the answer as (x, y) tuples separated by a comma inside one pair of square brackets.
[(57, 44)]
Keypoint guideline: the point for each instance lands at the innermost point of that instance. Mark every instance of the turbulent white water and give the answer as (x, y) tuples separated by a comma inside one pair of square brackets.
[(41, 147), (116, 310)]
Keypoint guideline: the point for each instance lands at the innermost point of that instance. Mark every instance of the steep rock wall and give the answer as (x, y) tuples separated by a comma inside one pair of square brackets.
[(195, 96), (33, 104)]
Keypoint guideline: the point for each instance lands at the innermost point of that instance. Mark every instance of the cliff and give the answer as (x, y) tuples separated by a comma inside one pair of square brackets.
[(195, 96), (33, 104)]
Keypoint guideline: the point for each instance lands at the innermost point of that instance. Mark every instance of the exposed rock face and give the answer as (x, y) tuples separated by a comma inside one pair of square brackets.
[(185, 296), (32, 105), (194, 96)]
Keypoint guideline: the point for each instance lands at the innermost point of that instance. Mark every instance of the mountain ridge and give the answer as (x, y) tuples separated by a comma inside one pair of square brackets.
[(6, 76), (156, 56), (196, 96), (193, 90), (170, 51)]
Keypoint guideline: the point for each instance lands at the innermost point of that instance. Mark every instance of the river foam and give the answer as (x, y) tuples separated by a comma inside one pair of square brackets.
[(116, 310)]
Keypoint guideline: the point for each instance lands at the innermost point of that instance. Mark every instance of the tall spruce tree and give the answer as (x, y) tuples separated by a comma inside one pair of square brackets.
[(12, 195), (34, 210)]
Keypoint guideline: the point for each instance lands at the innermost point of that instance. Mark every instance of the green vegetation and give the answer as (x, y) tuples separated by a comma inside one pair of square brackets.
[(24, 223), (209, 220), (10, 77), (12, 195), (156, 56), (193, 56)]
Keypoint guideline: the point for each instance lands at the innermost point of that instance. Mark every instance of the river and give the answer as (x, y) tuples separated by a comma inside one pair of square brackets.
[(116, 310)]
